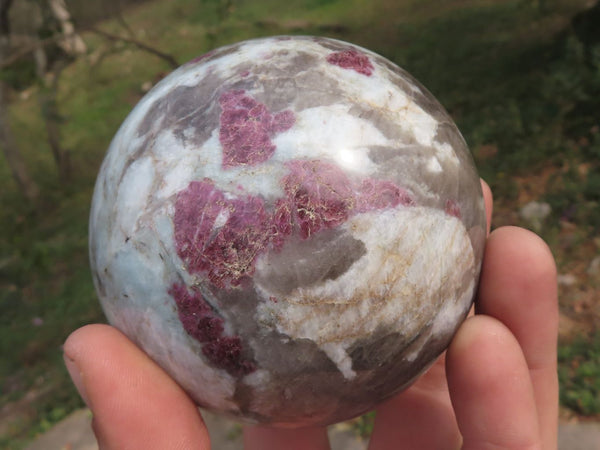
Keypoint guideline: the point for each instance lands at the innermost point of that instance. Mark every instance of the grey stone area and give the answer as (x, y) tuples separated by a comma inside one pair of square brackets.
[(579, 436), (73, 433), (297, 264)]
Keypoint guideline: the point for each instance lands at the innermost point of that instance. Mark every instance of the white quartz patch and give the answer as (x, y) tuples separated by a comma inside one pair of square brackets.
[(433, 165), (413, 271), (330, 132), (133, 193), (445, 152), (379, 92)]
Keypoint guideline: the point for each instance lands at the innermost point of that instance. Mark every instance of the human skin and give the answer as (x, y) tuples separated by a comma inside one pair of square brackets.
[(495, 387)]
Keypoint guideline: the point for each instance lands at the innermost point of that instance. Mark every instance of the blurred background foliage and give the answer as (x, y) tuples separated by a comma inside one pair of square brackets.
[(520, 77)]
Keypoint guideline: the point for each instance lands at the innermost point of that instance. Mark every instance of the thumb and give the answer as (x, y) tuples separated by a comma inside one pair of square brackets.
[(134, 402)]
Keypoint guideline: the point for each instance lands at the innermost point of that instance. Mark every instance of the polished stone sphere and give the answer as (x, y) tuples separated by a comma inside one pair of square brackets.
[(292, 227)]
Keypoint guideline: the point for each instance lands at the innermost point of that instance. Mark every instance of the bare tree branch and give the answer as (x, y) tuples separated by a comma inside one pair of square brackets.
[(35, 44), (113, 37), (24, 50), (4, 20)]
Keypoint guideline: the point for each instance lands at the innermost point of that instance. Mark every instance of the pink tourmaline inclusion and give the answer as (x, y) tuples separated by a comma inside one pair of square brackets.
[(246, 128), (323, 196), (222, 236), (200, 321), (453, 209), (219, 236), (352, 59)]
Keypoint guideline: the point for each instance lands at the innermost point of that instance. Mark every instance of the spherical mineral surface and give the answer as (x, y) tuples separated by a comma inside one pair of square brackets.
[(292, 227)]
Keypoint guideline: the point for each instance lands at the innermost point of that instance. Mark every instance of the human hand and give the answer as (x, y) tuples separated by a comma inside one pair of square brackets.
[(496, 386)]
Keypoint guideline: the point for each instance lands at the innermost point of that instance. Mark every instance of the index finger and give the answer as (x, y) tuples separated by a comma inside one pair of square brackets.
[(518, 287)]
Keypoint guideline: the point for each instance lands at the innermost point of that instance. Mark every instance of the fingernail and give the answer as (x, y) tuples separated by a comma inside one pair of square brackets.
[(76, 376)]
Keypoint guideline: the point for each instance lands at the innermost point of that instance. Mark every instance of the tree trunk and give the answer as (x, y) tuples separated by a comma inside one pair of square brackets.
[(10, 149), (72, 44), (52, 121), (49, 72), (4, 19), (12, 153)]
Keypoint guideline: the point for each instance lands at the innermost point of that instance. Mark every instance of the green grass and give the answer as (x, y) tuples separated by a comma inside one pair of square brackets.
[(579, 374), (512, 76), (46, 293)]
